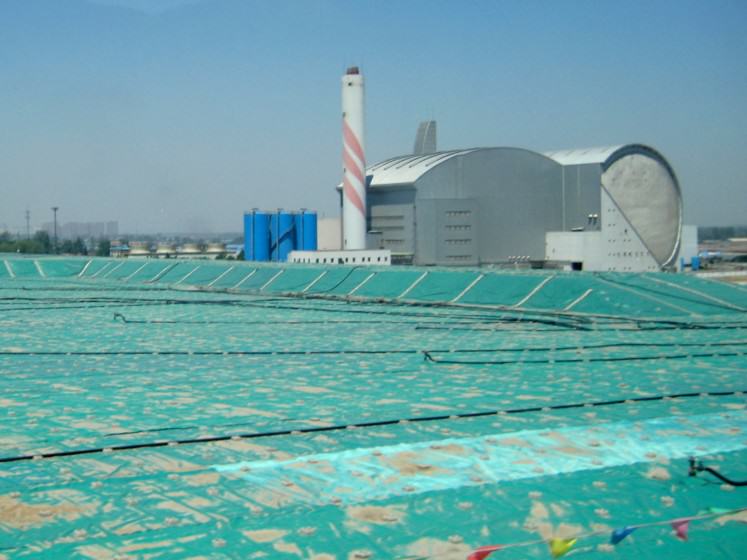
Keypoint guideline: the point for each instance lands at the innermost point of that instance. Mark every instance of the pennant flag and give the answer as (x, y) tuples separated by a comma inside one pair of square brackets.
[(680, 527), (559, 547), (620, 534), (484, 552)]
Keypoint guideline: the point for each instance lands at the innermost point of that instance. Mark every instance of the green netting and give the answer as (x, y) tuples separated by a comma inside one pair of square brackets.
[(715, 291), (503, 289), (170, 422), (294, 279), (441, 285), (387, 284), (92, 267), (148, 271), (23, 268), (58, 268), (255, 280), (670, 294), (339, 281), (204, 274), (233, 275), (124, 269), (560, 291)]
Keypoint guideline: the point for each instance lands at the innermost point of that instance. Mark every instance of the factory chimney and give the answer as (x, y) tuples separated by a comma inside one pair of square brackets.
[(353, 162)]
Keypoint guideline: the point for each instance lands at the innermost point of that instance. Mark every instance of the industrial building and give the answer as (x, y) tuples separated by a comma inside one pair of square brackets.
[(616, 208)]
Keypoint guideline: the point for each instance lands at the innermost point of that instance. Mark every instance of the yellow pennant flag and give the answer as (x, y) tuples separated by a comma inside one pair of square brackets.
[(558, 547)]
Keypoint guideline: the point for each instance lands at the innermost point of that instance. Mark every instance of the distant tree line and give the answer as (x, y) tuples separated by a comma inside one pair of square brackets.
[(718, 233), (41, 243)]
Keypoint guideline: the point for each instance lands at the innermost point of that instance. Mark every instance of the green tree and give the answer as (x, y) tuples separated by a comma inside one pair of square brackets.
[(42, 237), (103, 248), (79, 248)]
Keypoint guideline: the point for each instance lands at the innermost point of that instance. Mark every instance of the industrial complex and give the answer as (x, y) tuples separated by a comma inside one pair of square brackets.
[(494, 361), (614, 208), (606, 209)]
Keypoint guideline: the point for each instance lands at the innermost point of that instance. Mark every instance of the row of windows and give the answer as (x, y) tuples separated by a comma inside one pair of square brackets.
[(455, 213), (461, 227), (390, 228), (459, 257), (627, 254), (399, 217), (625, 268), (341, 260), (458, 241)]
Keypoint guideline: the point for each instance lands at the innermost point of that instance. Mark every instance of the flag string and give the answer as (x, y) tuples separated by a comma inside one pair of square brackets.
[(560, 546)]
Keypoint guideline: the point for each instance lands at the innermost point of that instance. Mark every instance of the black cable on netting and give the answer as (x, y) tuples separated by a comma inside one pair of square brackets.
[(121, 317), (580, 347), (452, 320), (428, 354), (698, 466), (598, 328), (369, 424), (609, 359)]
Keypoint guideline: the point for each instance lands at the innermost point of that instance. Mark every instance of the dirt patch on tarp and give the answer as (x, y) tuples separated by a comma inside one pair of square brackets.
[(19, 515), (376, 514), (411, 463), (438, 549), (265, 535)]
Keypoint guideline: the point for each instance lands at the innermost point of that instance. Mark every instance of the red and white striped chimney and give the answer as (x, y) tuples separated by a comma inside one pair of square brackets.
[(353, 162)]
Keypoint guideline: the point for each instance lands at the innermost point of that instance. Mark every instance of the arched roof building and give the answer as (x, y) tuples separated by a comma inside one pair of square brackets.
[(615, 208)]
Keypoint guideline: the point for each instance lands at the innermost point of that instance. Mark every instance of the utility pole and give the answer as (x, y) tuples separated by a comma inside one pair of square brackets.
[(54, 209), (28, 222)]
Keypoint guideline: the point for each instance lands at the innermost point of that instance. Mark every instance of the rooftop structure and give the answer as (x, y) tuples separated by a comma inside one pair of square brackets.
[(212, 409)]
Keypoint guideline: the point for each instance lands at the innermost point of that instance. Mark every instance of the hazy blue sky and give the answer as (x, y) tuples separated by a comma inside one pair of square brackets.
[(176, 115)]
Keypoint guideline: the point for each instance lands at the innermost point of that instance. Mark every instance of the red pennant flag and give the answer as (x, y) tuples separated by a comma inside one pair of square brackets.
[(484, 552), (680, 527)]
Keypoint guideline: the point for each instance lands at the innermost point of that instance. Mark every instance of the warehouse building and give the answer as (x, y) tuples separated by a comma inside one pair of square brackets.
[(616, 208)]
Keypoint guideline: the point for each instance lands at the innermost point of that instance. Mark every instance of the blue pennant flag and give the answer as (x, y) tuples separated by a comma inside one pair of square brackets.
[(620, 534)]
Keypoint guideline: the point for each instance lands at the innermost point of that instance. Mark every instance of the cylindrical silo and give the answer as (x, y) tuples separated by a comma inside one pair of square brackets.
[(274, 234), (298, 230), (309, 222), (261, 237), (249, 236), (353, 162), (285, 234)]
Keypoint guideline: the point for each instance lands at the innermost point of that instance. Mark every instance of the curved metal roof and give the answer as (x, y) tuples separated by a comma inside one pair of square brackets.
[(604, 155), (582, 156), (408, 169)]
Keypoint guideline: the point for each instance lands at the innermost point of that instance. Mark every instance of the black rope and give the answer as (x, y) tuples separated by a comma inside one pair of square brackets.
[(429, 358), (423, 324), (428, 354), (371, 424), (697, 466)]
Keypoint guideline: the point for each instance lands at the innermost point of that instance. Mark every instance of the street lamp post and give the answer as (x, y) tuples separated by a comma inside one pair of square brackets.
[(54, 209)]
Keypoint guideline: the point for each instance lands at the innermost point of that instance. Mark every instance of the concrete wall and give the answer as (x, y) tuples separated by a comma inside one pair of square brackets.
[(688, 245), (329, 234)]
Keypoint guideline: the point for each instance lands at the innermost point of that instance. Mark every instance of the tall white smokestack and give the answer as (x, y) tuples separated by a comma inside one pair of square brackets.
[(353, 162)]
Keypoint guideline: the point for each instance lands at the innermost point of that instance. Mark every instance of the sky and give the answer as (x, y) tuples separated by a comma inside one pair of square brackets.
[(178, 115)]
